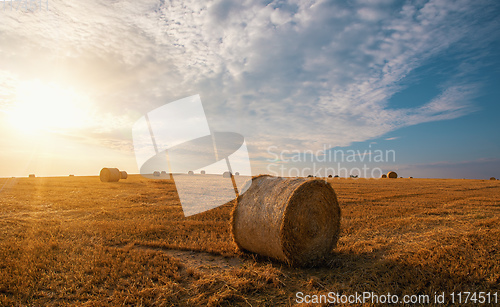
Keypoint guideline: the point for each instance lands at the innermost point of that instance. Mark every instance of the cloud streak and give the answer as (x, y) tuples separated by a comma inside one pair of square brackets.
[(472, 169)]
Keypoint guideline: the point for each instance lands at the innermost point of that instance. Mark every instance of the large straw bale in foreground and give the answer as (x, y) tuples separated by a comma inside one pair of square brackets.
[(392, 175), (110, 175), (293, 220)]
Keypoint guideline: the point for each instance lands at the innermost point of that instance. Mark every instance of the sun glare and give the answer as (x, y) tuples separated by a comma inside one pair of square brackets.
[(47, 107)]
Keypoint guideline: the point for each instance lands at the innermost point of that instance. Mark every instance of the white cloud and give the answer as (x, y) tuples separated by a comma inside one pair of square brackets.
[(370, 14), (296, 74)]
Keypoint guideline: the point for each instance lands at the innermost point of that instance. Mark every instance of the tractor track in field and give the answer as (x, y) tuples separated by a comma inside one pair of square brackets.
[(201, 261)]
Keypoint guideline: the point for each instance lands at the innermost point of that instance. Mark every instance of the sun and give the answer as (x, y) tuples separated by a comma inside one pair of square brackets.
[(47, 107)]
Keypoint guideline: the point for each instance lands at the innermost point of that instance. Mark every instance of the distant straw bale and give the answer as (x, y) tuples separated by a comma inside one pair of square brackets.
[(384, 176), (294, 220), (190, 173), (110, 175), (392, 175), (226, 175), (493, 178), (156, 173), (123, 175), (31, 175), (202, 172)]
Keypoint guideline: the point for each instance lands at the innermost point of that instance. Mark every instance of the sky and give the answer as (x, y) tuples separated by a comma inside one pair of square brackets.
[(413, 85)]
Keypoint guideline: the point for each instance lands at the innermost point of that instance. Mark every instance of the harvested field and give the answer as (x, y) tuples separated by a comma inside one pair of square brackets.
[(80, 241)]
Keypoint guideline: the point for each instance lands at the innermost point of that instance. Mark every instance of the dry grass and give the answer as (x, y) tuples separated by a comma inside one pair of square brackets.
[(77, 241)]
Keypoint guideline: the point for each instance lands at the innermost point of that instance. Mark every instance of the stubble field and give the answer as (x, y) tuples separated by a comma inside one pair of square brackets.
[(77, 241)]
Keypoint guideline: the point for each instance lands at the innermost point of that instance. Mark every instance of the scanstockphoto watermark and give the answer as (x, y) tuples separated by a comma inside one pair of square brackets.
[(175, 141), (328, 162), (24, 5), (332, 155), (319, 171), (366, 298)]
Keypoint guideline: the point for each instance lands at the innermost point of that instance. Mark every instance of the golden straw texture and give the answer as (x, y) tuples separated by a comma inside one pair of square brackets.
[(109, 175), (296, 221), (392, 175)]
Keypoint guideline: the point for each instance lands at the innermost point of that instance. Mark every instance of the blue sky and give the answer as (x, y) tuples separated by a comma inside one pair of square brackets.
[(417, 77)]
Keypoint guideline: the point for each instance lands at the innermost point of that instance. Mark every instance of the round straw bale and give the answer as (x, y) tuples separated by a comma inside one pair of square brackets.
[(156, 173), (123, 175), (31, 176), (384, 176), (202, 172), (190, 173), (392, 175), (109, 175), (163, 173), (237, 174), (492, 178), (294, 220), (226, 175)]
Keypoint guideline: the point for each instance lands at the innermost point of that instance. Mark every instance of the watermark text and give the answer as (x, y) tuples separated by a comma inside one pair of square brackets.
[(24, 5)]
